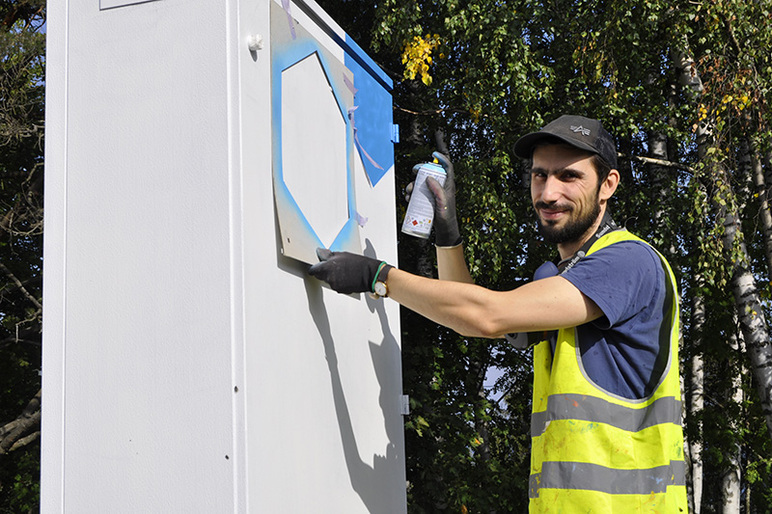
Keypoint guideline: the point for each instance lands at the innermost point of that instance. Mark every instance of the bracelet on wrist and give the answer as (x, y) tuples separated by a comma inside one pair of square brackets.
[(449, 247), (381, 266)]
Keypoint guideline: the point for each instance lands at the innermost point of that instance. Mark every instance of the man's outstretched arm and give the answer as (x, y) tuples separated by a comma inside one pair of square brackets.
[(475, 311), (468, 309)]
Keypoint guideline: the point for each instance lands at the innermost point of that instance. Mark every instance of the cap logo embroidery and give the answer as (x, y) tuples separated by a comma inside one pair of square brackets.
[(581, 130)]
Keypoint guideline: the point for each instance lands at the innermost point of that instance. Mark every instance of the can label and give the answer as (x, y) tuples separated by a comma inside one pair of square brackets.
[(420, 210)]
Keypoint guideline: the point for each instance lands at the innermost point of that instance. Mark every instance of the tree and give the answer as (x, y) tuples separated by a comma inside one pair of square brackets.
[(685, 89), (655, 73), (21, 228)]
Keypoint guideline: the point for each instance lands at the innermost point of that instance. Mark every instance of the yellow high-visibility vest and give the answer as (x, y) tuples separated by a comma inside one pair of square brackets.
[(597, 452)]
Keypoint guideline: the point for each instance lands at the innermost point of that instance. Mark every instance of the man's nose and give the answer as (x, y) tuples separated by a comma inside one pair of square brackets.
[(551, 190)]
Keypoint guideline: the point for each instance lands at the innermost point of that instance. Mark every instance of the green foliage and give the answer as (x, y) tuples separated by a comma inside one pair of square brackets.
[(498, 69), (458, 443), (504, 68), (20, 479), (22, 50)]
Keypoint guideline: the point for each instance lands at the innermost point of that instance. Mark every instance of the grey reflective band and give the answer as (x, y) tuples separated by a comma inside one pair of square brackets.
[(592, 477), (588, 408)]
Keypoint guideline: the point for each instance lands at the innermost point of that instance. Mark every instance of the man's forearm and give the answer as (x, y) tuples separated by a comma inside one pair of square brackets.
[(475, 311), (451, 264), (447, 302)]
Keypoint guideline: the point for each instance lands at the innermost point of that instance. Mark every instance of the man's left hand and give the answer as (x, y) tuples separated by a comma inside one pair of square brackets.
[(446, 232), (347, 272)]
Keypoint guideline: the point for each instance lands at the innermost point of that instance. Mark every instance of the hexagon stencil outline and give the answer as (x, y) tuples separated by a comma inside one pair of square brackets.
[(299, 240), (299, 171)]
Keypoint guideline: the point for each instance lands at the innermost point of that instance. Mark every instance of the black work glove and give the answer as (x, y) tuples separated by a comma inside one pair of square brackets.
[(446, 232), (347, 272)]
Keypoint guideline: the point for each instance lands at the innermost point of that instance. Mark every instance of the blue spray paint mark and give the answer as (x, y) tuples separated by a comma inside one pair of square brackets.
[(370, 115), (373, 116)]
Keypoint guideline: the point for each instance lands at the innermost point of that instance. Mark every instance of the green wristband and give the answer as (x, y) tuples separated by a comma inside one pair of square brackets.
[(375, 278)]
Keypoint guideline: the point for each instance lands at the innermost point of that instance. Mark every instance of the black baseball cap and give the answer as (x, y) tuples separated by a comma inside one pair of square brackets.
[(577, 131)]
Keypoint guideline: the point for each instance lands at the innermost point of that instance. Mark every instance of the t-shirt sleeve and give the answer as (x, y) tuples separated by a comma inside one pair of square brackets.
[(621, 279)]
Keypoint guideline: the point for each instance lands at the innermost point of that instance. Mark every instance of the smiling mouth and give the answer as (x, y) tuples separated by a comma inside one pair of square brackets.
[(551, 212)]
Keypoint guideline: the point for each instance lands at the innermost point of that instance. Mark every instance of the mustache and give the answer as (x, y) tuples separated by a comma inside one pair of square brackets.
[(554, 205)]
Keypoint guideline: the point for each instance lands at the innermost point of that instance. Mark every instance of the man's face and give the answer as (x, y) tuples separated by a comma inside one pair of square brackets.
[(565, 192)]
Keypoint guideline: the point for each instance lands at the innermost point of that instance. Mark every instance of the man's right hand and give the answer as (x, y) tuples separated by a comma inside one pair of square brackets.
[(446, 231)]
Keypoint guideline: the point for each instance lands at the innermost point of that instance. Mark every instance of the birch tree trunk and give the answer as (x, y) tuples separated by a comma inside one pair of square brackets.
[(731, 492), (689, 78), (761, 191), (746, 295), (753, 323), (767, 171), (697, 400)]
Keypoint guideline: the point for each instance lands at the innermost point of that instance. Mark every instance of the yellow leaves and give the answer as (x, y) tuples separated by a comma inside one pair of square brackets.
[(749, 310), (731, 103), (743, 101), (476, 113), (739, 101), (417, 56), (703, 113)]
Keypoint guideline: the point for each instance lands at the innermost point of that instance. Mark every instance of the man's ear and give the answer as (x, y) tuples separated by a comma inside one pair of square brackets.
[(609, 186)]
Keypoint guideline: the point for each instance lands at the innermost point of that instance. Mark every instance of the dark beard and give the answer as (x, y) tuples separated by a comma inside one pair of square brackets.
[(573, 230)]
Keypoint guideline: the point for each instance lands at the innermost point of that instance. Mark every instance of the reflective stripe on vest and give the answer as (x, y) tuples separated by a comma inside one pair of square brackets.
[(588, 408), (591, 477), (596, 452)]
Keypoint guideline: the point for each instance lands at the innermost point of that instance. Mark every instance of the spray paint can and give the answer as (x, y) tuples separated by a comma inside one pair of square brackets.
[(420, 210)]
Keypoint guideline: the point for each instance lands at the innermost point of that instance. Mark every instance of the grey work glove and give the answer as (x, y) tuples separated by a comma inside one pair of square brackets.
[(347, 272), (446, 232)]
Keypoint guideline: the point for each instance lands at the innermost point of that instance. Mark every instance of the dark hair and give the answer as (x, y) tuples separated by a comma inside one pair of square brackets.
[(602, 167)]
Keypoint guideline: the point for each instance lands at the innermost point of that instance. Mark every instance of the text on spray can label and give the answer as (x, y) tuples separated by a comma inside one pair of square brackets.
[(420, 210)]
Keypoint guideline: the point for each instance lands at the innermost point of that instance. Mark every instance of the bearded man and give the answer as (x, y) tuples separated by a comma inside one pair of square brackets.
[(602, 322)]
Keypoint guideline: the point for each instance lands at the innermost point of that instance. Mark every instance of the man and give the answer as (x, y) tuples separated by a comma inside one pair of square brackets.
[(605, 426)]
